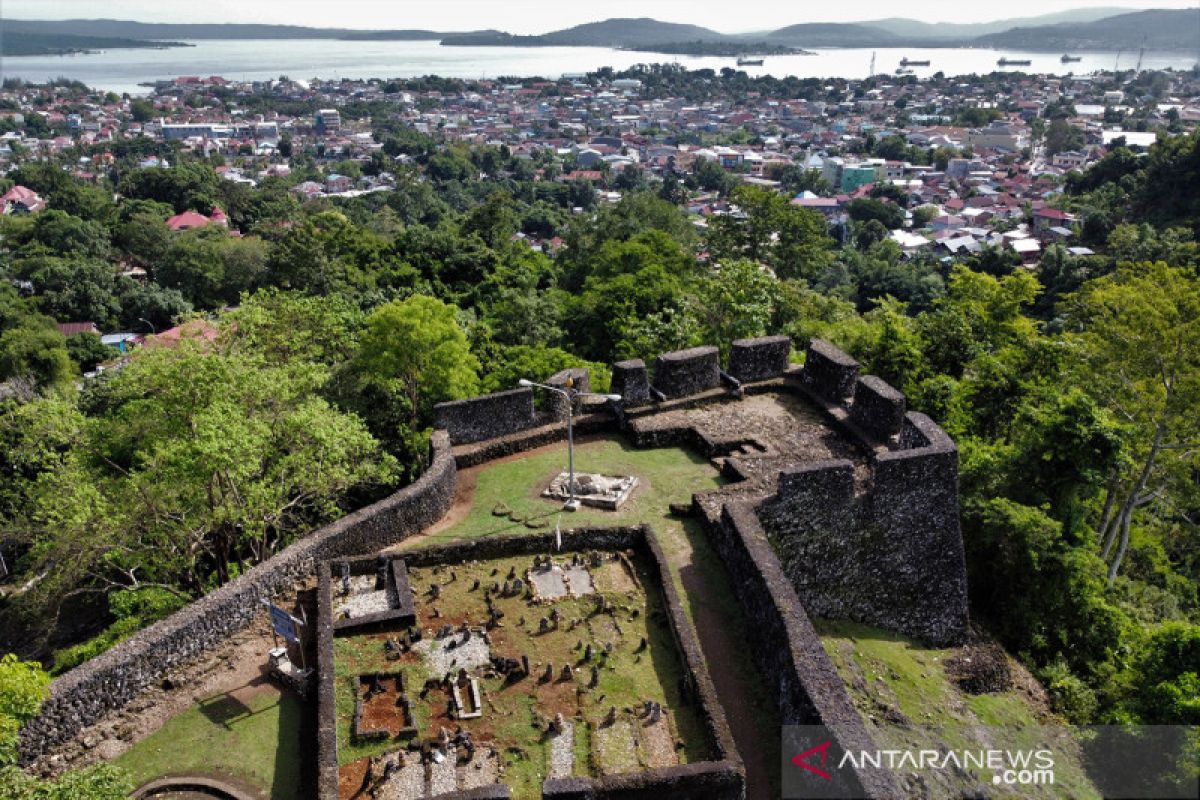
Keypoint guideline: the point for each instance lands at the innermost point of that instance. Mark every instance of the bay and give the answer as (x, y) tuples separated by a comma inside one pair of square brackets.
[(302, 59)]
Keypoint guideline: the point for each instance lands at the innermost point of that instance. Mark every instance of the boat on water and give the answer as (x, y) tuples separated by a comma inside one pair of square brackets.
[(904, 71), (908, 62), (1014, 62), (746, 61), (1069, 59)]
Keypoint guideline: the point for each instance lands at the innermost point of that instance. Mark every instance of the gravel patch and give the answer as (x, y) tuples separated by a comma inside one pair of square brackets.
[(482, 770), (562, 752), (407, 783), (616, 748), (579, 579), (362, 600), (548, 584), (443, 777), (440, 659), (656, 743)]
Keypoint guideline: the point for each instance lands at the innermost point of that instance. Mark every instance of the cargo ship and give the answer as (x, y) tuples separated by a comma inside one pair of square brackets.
[(1067, 59), (1014, 62), (746, 61), (907, 62)]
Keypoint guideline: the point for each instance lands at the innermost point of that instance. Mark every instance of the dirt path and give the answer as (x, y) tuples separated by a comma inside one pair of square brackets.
[(754, 732)]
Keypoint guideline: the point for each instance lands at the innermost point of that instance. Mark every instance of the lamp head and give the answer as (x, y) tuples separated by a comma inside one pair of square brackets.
[(616, 398), (525, 382)]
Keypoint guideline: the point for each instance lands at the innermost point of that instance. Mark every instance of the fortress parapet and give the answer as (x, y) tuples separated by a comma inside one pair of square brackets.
[(687, 372), (486, 417), (759, 359)]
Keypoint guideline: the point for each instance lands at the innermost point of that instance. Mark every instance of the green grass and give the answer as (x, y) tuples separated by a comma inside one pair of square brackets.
[(256, 742), (887, 673), (667, 475)]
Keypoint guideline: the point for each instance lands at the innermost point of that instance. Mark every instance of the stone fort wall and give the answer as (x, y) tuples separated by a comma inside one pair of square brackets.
[(108, 682)]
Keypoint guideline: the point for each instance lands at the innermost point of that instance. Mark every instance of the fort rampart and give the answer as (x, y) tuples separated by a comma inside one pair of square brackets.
[(885, 549)]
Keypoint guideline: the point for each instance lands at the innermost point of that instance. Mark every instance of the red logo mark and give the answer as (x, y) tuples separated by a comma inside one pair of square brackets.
[(801, 760)]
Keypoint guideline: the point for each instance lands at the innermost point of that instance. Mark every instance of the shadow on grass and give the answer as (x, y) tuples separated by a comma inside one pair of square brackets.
[(507, 527), (295, 774), (225, 710)]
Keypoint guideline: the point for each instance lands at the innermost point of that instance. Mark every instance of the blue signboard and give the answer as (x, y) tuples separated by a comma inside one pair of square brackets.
[(284, 623)]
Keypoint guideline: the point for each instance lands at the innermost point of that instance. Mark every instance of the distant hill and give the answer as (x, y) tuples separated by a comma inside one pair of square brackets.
[(630, 32), (1080, 29), (161, 30), (953, 30), (835, 34), (147, 30), (54, 44), (1158, 29)]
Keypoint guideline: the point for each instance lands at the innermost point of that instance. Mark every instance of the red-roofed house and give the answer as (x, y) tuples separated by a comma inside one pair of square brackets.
[(1046, 218), (21, 200), (194, 219)]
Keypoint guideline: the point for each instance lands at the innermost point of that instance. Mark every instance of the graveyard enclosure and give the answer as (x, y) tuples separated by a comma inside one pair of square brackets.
[(585, 675)]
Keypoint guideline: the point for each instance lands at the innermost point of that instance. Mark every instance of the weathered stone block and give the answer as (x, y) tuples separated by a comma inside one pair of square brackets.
[(687, 372), (829, 371), (486, 417), (759, 359), (878, 408), (630, 380)]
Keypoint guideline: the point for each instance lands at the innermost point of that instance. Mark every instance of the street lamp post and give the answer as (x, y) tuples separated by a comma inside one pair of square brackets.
[(570, 393)]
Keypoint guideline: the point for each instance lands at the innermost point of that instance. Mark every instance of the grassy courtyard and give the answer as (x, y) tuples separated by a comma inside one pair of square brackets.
[(666, 475), (252, 736)]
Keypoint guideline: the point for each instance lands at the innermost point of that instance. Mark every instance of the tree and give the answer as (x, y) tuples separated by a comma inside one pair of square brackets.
[(35, 351), (418, 344), (1136, 338), (1043, 598), (142, 110), (862, 209), (797, 179), (736, 301), (768, 228), (145, 236), (75, 291), (210, 268), (23, 687), (87, 350), (187, 185), (1062, 136), (712, 177), (196, 461)]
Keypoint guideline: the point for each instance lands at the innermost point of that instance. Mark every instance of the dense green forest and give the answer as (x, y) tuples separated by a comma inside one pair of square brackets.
[(316, 344)]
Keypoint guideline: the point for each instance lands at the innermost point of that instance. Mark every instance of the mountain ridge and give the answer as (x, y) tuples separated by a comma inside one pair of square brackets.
[(1158, 28)]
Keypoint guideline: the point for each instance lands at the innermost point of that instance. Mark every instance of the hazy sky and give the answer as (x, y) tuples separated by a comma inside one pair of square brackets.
[(539, 16)]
